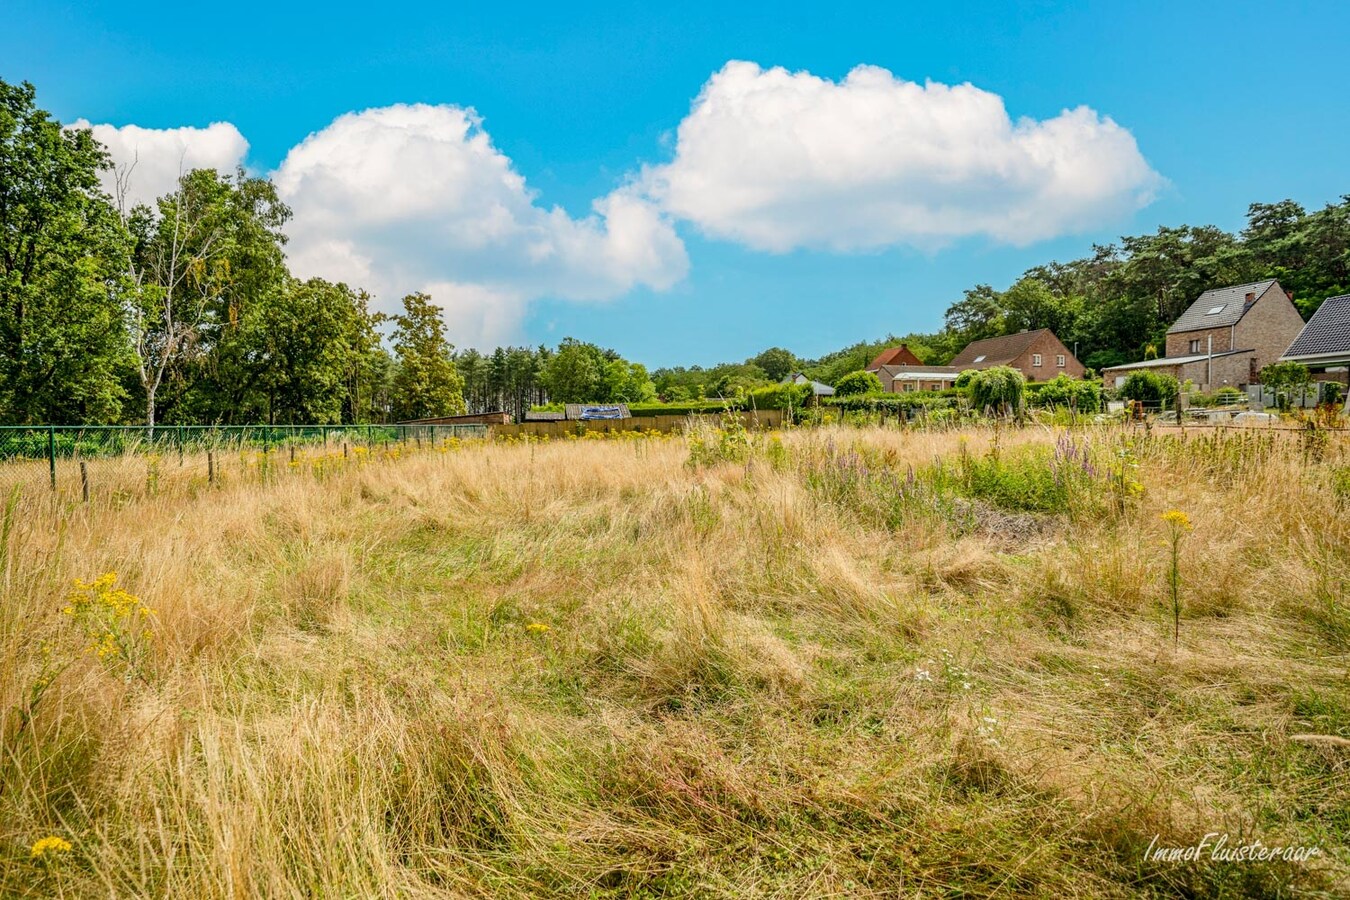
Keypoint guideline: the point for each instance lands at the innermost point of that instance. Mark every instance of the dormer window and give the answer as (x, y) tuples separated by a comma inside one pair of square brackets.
[(1215, 310)]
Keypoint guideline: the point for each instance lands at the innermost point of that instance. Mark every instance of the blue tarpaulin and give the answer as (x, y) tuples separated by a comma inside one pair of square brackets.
[(601, 412)]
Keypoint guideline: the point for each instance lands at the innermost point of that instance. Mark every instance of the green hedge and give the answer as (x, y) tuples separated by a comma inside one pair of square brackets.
[(1085, 396), (778, 396), (645, 410), (908, 400)]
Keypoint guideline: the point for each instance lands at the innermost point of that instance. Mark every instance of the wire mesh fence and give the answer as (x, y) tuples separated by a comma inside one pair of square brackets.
[(84, 461)]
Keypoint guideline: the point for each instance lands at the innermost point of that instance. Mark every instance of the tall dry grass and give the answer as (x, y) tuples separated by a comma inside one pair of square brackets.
[(591, 668)]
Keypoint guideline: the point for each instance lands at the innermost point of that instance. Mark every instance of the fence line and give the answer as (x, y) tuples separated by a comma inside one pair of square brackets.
[(24, 448)]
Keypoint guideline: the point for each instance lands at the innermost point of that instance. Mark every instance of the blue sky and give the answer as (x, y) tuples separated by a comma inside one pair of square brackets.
[(1224, 105)]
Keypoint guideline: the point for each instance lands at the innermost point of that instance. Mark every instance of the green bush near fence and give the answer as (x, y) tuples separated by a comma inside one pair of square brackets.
[(1063, 391), (896, 403)]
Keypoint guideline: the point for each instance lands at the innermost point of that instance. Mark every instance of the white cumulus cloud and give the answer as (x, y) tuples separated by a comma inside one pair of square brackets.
[(778, 160), (416, 197), (151, 159)]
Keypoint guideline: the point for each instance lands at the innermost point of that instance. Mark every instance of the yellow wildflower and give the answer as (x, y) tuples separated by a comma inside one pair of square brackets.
[(536, 628), (1178, 519), (50, 847)]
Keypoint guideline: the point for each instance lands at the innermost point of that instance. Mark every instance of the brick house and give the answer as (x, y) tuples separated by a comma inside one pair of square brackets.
[(900, 378), (1224, 338), (894, 356), (1038, 355)]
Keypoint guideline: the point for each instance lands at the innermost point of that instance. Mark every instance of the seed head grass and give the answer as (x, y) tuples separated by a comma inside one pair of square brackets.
[(863, 662)]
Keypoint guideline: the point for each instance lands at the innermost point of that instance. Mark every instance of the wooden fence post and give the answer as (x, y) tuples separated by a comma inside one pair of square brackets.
[(84, 481)]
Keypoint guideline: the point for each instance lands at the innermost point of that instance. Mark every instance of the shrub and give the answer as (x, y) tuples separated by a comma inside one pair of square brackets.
[(859, 382), (1085, 396), (1286, 379), (779, 396), (999, 388), (1150, 388), (963, 380)]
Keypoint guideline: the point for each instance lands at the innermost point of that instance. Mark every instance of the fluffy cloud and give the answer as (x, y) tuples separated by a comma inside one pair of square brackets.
[(151, 159), (779, 160), (416, 197)]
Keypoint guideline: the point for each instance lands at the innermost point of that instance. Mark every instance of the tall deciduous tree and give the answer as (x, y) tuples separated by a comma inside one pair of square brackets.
[(776, 362), (62, 261), (316, 346), (425, 383)]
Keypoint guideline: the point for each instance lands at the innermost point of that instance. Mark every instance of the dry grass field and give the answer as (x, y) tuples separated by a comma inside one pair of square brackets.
[(834, 662)]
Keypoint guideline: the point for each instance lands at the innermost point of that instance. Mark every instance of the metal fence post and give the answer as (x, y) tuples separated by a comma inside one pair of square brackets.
[(51, 453)]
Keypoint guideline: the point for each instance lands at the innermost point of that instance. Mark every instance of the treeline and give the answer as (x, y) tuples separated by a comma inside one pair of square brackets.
[(1114, 305), (515, 379), (183, 311)]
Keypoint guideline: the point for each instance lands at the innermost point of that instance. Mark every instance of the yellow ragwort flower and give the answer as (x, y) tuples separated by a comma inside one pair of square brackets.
[(50, 846), (1178, 519), (536, 628)]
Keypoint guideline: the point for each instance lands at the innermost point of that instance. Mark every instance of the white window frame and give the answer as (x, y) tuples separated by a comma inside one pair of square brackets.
[(1035, 360), (1059, 360)]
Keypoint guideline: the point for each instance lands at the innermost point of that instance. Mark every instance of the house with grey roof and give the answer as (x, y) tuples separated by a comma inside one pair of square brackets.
[(817, 388), (1324, 343), (1224, 338)]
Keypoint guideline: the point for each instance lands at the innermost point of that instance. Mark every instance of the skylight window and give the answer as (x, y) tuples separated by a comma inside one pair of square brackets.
[(980, 358), (1215, 310)]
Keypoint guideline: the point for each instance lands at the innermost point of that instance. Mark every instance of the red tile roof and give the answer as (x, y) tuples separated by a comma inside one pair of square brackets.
[(895, 356)]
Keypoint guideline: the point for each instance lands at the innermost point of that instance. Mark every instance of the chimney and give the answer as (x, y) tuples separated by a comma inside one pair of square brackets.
[(1291, 295), (1251, 295)]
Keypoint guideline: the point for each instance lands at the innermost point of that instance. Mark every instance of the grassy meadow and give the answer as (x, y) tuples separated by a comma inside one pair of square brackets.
[(862, 662)]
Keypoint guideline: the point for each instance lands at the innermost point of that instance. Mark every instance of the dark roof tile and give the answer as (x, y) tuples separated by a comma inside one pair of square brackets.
[(1220, 307), (1328, 331)]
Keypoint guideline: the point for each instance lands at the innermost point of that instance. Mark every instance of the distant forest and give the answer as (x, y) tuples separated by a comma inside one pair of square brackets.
[(1115, 305)]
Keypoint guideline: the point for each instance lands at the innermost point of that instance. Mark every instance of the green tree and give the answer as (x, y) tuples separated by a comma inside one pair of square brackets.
[(1287, 380), (625, 382), (225, 377), (978, 315), (1030, 304), (425, 382), (860, 382), (62, 267), (776, 363), (574, 373), (185, 260), (317, 353), (998, 388), (1151, 388)]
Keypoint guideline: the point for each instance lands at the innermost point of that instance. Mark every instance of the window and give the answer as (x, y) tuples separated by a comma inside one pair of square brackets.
[(1195, 346), (1035, 359), (1215, 310), (909, 385), (1059, 360), (980, 358)]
